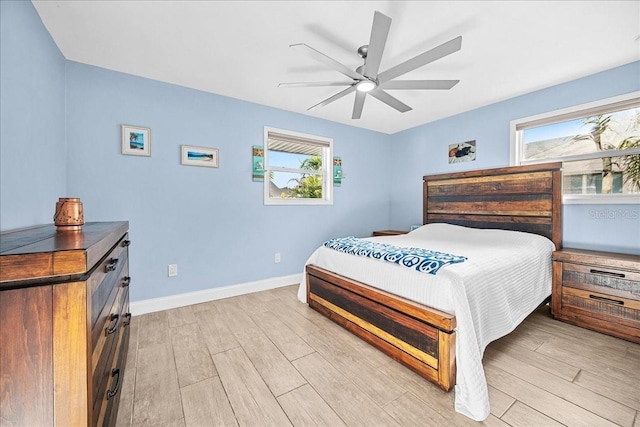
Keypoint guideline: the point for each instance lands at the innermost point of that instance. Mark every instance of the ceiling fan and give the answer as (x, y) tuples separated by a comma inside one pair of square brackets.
[(366, 79)]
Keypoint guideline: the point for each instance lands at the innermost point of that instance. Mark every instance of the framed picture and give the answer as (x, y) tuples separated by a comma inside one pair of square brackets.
[(337, 171), (136, 141), (199, 156), (258, 163), (462, 152)]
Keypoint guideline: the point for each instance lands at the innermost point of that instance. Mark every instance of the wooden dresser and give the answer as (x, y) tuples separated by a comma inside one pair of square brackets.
[(64, 312), (598, 290)]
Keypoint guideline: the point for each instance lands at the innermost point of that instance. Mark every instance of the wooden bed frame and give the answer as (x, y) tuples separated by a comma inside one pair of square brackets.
[(522, 198)]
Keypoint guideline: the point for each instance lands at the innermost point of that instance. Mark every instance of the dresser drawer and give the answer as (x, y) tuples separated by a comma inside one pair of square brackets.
[(111, 375), (106, 277), (109, 406), (105, 318), (103, 353)]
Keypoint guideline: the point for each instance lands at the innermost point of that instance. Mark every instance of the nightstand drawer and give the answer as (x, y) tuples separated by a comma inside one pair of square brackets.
[(603, 306), (620, 283)]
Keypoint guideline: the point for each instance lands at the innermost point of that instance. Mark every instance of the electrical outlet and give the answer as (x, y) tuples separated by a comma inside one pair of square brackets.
[(173, 270), (276, 257)]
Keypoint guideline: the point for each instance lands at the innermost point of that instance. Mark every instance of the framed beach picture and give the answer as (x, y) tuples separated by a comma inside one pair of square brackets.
[(199, 156), (337, 171), (258, 163), (136, 141)]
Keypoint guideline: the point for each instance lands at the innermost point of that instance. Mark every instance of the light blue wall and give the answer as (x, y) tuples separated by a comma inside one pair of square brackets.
[(423, 151), (211, 222), (32, 119)]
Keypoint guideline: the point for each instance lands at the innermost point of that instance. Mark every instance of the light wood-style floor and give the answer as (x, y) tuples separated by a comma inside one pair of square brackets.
[(266, 359)]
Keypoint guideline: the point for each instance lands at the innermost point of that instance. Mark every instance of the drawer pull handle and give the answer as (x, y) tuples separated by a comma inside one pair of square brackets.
[(113, 328), (126, 281), (607, 273), (608, 300), (126, 243), (114, 373), (111, 265), (128, 319)]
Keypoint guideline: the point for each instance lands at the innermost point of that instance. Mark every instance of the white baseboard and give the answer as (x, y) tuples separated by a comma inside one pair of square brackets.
[(174, 301)]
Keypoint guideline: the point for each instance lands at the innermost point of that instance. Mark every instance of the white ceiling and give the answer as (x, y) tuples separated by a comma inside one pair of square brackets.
[(241, 48)]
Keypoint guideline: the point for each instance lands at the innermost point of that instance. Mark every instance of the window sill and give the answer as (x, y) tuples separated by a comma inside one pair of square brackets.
[(601, 199), (297, 202)]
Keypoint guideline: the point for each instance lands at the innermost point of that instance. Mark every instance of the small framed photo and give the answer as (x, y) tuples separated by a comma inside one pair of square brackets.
[(136, 141), (199, 156), (462, 152)]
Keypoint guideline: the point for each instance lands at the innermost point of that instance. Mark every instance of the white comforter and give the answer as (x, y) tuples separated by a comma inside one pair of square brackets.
[(507, 274)]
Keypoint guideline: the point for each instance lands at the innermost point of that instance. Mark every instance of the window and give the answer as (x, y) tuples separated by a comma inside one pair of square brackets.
[(597, 143), (298, 168)]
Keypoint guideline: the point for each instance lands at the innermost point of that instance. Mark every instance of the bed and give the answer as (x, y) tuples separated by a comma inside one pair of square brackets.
[(439, 324)]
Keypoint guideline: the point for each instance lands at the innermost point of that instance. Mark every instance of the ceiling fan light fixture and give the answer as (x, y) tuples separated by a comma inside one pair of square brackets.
[(365, 86)]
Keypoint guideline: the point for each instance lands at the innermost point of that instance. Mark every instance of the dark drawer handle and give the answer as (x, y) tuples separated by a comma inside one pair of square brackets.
[(607, 273), (126, 243), (111, 265), (114, 373), (608, 300), (128, 319), (114, 328), (126, 281)]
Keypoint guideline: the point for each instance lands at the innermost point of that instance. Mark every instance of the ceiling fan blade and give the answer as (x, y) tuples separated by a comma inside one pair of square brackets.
[(358, 104), (314, 84), (333, 98), (424, 58), (390, 100), (419, 84), (332, 63), (377, 41)]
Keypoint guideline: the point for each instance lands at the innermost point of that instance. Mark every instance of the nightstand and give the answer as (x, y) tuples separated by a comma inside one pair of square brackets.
[(389, 232), (598, 290)]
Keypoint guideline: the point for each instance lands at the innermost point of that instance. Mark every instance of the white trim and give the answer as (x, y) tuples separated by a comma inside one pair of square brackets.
[(327, 169), (514, 144), (601, 199), (273, 201), (138, 308), (588, 156)]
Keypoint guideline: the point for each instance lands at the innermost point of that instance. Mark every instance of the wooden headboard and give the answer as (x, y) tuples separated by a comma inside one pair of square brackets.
[(521, 198)]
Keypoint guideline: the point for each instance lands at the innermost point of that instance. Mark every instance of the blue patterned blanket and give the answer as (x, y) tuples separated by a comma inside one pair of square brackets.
[(422, 260)]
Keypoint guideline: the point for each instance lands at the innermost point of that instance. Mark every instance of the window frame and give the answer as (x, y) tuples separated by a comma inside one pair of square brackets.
[(327, 168), (602, 106)]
